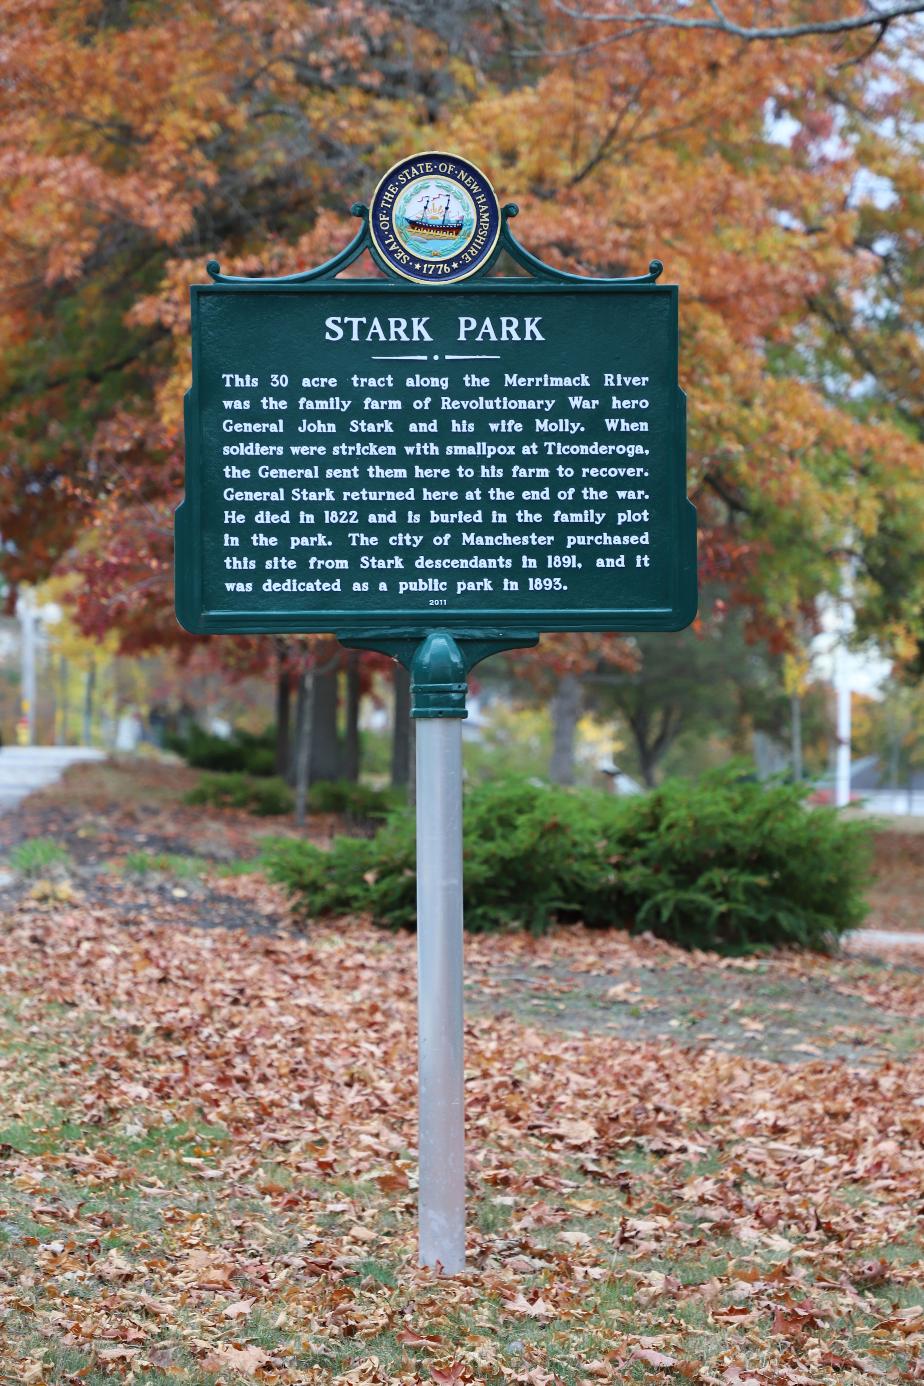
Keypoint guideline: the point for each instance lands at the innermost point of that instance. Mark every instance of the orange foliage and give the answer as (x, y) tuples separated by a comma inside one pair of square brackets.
[(137, 142)]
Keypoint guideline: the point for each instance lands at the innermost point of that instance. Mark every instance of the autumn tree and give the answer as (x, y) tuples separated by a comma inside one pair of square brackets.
[(780, 181)]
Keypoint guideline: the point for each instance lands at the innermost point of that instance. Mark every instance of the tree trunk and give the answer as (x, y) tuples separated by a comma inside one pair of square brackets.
[(351, 735), (647, 763), (566, 709), (88, 690), (795, 708), (283, 712), (304, 727), (326, 760), (895, 752), (63, 708), (651, 743), (401, 768)]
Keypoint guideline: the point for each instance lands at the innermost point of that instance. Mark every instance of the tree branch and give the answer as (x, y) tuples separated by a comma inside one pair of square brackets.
[(734, 503), (645, 21)]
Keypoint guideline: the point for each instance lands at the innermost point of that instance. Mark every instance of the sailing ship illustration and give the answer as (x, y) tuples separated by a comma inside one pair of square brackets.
[(432, 218)]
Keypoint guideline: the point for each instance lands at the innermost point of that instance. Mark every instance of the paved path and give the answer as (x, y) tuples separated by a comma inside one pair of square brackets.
[(26, 768), (868, 940)]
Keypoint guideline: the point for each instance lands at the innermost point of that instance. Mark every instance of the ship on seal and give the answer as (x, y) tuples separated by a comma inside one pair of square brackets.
[(429, 222)]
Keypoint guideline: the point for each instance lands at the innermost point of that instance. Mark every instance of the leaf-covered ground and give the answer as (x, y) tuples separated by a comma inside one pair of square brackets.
[(681, 1168)]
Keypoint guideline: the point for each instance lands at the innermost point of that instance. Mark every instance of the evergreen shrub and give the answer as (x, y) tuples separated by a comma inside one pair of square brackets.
[(726, 863), (360, 803), (265, 797), (244, 752)]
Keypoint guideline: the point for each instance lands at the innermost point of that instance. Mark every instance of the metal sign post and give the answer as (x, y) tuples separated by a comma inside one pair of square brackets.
[(438, 692), (436, 464), (441, 1142)]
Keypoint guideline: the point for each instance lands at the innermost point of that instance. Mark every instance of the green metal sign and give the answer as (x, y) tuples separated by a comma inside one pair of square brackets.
[(438, 465), (379, 458)]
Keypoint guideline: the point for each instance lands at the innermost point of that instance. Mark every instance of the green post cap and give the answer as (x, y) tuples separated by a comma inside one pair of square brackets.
[(438, 685)]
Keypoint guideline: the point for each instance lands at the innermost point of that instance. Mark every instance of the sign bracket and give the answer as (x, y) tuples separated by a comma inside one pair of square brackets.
[(507, 241), (408, 646)]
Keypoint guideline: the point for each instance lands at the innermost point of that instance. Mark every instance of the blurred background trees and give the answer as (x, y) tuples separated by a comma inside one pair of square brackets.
[(779, 179)]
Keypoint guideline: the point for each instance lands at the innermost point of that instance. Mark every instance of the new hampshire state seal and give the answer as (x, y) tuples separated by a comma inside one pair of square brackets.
[(434, 219)]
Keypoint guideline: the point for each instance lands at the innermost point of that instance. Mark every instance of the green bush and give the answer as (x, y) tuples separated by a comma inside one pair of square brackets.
[(324, 882), (726, 863), (242, 753), (737, 864), (358, 802), (266, 797)]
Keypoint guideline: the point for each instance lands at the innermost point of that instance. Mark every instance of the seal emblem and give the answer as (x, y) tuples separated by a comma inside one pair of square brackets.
[(434, 219)]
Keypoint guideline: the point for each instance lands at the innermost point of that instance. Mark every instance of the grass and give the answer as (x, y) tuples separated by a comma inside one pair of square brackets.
[(176, 864), (37, 855), (167, 863)]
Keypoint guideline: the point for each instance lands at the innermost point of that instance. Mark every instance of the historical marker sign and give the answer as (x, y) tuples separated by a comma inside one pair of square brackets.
[(504, 451), (438, 465)]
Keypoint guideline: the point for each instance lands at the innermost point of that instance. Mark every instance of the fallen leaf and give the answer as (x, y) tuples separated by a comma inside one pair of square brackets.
[(239, 1309), (410, 1338), (392, 1182), (446, 1376), (246, 1359), (538, 1309), (578, 1132), (652, 1358)]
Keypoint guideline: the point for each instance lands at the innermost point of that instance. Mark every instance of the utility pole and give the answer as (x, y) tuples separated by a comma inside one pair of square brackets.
[(842, 686), (25, 609)]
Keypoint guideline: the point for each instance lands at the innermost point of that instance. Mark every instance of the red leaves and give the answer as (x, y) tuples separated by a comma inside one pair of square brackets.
[(448, 1376), (793, 1320)]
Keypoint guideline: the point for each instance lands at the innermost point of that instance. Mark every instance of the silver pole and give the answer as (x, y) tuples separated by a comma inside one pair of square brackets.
[(842, 762), (842, 684), (441, 1197), (27, 616)]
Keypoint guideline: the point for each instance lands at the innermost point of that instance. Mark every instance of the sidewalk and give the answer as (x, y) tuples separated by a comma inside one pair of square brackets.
[(27, 768), (871, 940)]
